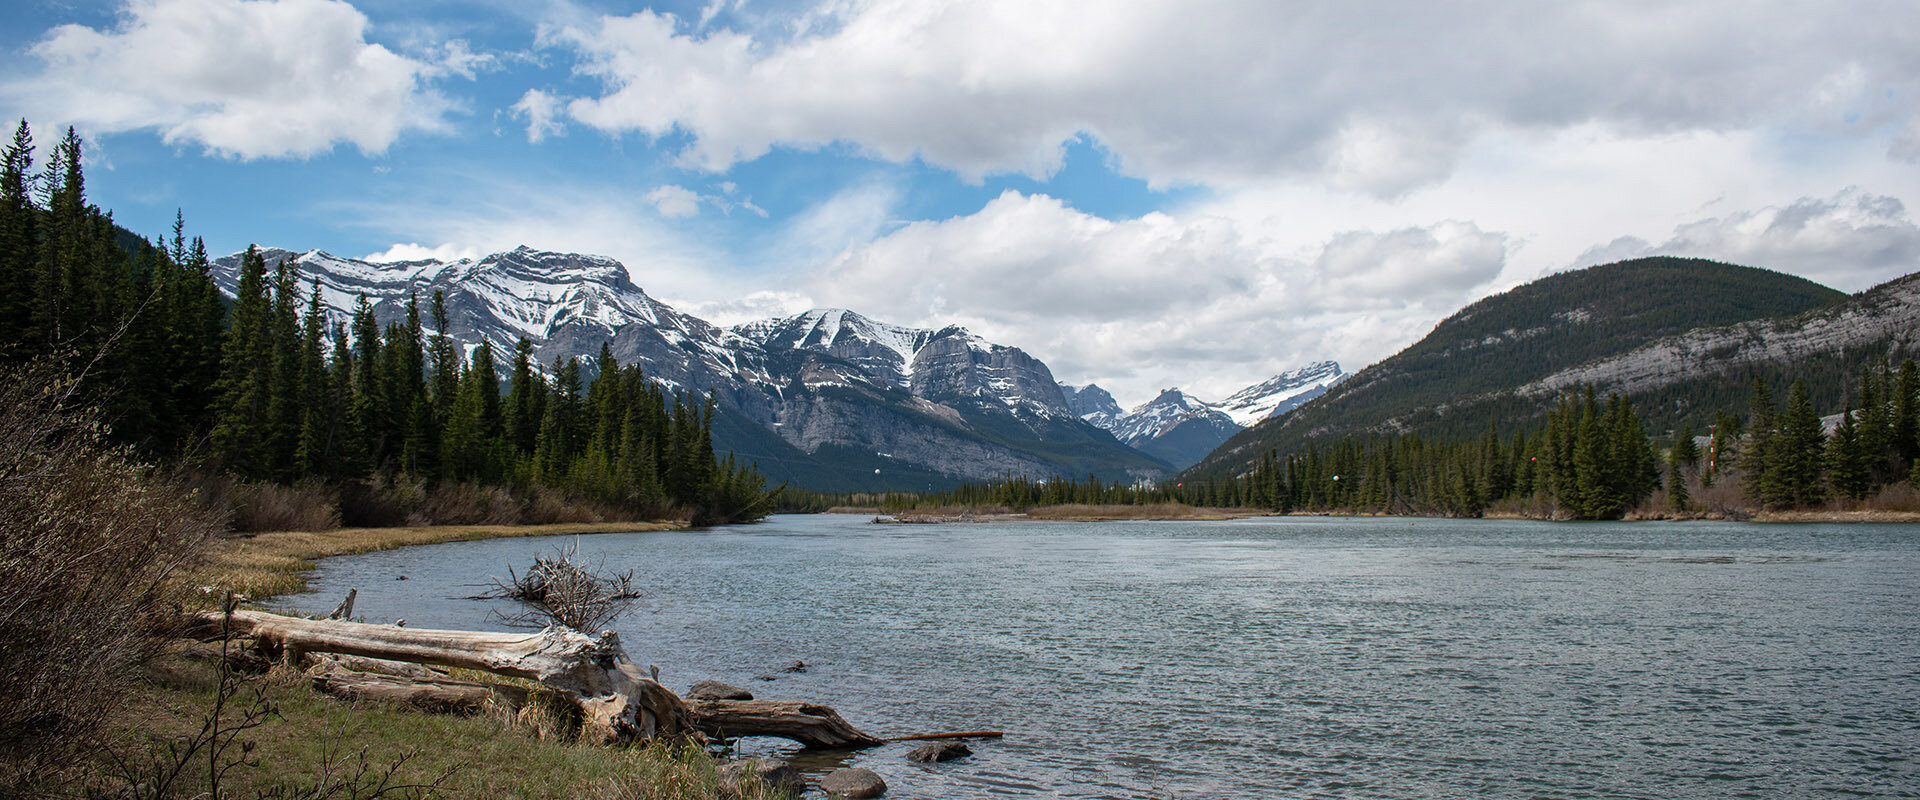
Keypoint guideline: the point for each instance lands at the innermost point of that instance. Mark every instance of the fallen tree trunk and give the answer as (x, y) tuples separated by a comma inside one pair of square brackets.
[(444, 695), (809, 723), (618, 702)]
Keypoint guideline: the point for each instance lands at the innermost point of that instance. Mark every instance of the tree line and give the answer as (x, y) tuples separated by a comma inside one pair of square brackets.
[(268, 389), (1590, 459)]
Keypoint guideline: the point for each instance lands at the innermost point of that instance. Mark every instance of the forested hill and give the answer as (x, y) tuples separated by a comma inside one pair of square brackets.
[(1460, 376)]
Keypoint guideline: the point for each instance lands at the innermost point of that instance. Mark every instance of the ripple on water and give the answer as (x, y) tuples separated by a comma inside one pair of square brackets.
[(1284, 657)]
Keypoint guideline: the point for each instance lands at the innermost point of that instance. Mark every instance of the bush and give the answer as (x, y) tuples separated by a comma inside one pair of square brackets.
[(89, 543), (306, 505)]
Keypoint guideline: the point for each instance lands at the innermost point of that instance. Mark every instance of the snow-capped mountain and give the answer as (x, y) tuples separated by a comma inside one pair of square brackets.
[(1093, 404), (827, 399), (1281, 393), (1181, 429)]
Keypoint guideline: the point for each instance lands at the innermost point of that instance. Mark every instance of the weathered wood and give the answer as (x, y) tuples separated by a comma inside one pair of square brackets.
[(810, 724), (618, 701), (433, 694)]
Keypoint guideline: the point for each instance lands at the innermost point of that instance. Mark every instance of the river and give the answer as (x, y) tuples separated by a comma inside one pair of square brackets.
[(1280, 657)]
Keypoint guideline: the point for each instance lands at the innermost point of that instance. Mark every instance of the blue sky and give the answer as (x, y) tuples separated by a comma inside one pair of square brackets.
[(1142, 194)]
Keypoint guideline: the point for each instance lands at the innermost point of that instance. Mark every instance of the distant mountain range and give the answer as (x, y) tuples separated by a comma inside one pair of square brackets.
[(1681, 338), (829, 399), (1180, 429)]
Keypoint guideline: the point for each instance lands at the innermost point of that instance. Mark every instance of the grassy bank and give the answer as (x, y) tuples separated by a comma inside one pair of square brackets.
[(310, 739), (270, 564)]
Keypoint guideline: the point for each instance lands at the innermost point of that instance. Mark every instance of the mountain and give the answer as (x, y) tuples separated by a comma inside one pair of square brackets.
[(1180, 429), (1175, 428), (1092, 404), (1467, 372), (828, 400), (1281, 393)]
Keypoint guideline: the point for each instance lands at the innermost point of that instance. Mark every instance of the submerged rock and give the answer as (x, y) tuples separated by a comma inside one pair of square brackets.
[(733, 779), (715, 690), (853, 783), (939, 751)]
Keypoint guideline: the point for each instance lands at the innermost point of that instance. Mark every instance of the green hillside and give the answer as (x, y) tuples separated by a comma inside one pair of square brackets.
[(1450, 383)]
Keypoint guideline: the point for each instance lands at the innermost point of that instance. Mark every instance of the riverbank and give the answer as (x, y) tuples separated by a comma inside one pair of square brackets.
[(264, 565), (1060, 513)]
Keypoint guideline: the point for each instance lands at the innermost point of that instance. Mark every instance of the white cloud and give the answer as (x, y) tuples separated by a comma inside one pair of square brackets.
[(245, 79), (1849, 241), (674, 202), (1373, 97), (1143, 304), (542, 112), (414, 251)]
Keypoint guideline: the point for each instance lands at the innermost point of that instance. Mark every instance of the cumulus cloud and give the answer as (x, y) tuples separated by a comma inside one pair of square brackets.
[(1371, 96), (542, 111), (414, 251), (244, 79), (1849, 241), (674, 202), (1141, 304)]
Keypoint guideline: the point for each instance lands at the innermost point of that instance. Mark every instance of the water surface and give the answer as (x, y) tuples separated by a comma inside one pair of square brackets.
[(1281, 657)]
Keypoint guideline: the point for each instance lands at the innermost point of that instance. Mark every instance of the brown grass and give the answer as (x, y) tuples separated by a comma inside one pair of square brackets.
[(269, 564)]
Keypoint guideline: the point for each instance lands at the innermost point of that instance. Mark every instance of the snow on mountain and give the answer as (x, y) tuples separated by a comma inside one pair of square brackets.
[(1280, 394), (1161, 414), (943, 365), (811, 395), (1093, 404)]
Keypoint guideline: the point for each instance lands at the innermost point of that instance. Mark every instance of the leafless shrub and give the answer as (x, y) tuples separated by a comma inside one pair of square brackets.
[(305, 505), (472, 504), (89, 544), (563, 589)]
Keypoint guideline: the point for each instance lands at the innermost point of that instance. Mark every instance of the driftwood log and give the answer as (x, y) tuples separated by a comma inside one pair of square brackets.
[(618, 702)]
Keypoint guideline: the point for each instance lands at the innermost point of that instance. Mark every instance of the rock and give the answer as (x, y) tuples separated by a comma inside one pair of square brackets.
[(939, 751), (733, 779), (715, 690), (854, 783)]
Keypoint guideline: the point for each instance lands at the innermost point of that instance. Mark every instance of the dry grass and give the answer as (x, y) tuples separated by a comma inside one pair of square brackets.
[(269, 564)]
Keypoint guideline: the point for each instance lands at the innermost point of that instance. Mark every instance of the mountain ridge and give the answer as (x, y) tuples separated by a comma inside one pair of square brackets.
[(1465, 372), (831, 393)]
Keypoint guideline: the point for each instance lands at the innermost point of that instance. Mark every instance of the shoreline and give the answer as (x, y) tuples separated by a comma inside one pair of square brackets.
[(1122, 513), (260, 566)]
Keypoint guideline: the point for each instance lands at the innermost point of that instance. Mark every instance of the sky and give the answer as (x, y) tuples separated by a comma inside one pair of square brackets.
[(1141, 194)]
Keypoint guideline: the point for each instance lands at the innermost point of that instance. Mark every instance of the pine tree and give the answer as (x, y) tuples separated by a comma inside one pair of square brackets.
[(1794, 473), (1756, 457), (1906, 414), (19, 250), (522, 418), (1848, 462), (240, 431)]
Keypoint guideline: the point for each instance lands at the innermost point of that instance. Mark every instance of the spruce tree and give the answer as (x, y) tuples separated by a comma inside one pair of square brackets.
[(1848, 462), (1906, 415), (1798, 453), (1756, 456), (241, 427), (19, 251)]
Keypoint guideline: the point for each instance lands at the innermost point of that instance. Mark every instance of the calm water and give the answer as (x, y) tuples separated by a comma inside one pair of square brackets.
[(1283, 657)]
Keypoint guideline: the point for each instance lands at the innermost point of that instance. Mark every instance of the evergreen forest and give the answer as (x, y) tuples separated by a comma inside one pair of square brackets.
[(267, 390), (1589, 460)]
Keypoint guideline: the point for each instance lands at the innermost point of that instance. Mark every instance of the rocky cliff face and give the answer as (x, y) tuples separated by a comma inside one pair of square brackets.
[(1886, 314)]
